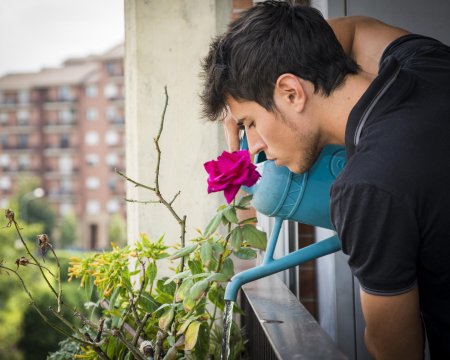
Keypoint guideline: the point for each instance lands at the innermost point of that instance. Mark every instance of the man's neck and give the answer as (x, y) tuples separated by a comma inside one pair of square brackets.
[(334, 110)]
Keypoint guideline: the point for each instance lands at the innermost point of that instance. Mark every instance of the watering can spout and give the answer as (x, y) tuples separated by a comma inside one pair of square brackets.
[(295, 258)]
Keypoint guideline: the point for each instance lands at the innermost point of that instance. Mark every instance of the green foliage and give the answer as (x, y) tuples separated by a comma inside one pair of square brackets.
[(68, 230), (182, 310), (117, 230)]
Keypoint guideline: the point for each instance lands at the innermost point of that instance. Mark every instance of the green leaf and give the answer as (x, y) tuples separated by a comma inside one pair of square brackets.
[(216, 295), (217, 248), (88, 287), (202, 346), (148, 303), (151, 272), (171, 354), (183, 252), (213, 224), (254, 237), (180, 275), (166, 319), (251, 220), (206, 253), (245, 200), (184, 326), (191, 335), (113, 298), (188, 303), (245, 253), (228, 268), (219, 277), (198, 289), (230, 215), (185, 286), (195, 266), (236, 238)]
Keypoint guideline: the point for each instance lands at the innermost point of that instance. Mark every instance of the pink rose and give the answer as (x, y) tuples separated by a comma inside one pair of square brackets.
[(229, 172)]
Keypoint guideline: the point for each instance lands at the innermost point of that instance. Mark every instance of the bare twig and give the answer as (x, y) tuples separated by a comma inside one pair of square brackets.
[(16, 225)]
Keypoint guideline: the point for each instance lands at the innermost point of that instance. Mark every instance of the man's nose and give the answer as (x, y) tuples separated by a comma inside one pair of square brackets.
[(255, 143)]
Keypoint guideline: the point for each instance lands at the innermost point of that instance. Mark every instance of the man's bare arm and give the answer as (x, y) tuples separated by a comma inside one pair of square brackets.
[(393, 326), (365, 39)]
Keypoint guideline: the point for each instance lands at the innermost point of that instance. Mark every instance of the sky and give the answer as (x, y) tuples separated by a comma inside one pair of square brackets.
[(43, 33)]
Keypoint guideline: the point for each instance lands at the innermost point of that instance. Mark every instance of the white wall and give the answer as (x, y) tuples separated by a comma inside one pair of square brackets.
[(164, 43)]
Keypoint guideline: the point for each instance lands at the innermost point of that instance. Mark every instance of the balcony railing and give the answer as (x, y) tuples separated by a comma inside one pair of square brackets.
[(279, 327)]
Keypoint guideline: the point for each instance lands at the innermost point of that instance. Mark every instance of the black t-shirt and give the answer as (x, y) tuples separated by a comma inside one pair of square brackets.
[(391, 204)]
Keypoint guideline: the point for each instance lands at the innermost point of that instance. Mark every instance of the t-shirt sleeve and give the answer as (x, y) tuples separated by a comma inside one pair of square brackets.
[(379, 233)]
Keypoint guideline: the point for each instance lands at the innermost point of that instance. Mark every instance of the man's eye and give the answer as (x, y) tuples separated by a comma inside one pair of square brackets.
[(241, 126), (252, 124)]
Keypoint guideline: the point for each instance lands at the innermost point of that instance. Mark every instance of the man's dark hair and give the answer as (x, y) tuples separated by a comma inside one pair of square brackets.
[(270, 39)]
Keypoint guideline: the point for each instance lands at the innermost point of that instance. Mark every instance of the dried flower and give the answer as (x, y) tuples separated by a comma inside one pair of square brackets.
[(22, 261), (229, 172), (43, 243), (10, 216)]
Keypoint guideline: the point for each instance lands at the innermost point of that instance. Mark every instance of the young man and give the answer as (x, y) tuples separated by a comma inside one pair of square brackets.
[(297, 83)]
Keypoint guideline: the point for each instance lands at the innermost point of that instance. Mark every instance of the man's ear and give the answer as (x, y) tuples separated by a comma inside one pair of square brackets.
[(290, 91)]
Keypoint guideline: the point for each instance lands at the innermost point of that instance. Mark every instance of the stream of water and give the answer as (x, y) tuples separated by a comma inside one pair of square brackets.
[(227, 322)]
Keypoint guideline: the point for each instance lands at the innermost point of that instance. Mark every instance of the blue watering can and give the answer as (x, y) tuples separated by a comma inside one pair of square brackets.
[(303, 198)]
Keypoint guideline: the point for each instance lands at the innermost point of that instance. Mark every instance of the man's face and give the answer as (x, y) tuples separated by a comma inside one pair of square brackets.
[(284, 137)]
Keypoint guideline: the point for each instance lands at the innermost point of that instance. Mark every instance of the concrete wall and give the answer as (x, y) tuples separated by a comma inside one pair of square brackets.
[(164, 42)]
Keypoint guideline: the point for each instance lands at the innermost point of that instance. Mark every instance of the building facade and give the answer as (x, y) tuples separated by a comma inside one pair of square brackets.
[(65, 126)]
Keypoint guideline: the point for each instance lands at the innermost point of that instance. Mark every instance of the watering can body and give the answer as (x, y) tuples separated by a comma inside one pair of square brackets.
[(303, 198)]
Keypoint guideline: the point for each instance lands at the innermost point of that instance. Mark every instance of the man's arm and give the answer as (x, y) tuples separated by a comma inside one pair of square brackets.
[(365, 39), (393, 326)]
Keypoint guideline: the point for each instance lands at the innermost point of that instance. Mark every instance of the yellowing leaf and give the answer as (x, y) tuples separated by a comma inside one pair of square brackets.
[(166, 319), (191, 335)]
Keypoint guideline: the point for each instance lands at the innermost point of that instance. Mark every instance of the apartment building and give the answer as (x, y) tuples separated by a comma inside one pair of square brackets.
[(66, 126)]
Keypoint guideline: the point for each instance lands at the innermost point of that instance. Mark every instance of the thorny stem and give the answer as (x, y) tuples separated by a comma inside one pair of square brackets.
[(96, 348), (136, 353), (35, 260), (140, 328)]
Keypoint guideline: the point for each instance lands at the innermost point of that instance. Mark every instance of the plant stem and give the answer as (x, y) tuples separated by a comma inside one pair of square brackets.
[(35, 260), (33, 304)]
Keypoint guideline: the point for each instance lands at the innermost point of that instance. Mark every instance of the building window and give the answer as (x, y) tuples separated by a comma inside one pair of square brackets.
[(113, 206), (24, 162), (91, 90), (111, 138), (112, 184), (66, 116), (3, 118), (111, 91), (64, 93), (65, 165), (91, 114), (5, 183), (66, 186), (112, 159), (93, 207), (92, 183), (4, 161), (22, 141), (92, 159), (23, 96), (64, 140), (91, 138), (22, 117)]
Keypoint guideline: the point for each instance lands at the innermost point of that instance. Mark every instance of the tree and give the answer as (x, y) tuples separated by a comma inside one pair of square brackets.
[(68, 230), (117, 230)]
